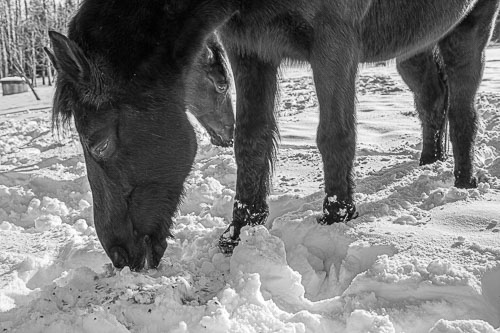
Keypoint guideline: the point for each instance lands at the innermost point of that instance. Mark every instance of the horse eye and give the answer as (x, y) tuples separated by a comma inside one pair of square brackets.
[(221, 87), (99, 150)]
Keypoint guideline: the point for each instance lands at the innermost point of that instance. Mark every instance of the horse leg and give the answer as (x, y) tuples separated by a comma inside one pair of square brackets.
[(334, 62), (424, 74), (463, 55), (255, 142)]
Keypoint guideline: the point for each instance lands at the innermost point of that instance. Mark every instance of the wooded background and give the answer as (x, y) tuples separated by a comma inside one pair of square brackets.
[(24, 26)]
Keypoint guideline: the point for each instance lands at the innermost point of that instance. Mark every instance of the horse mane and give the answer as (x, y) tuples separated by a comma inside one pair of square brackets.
[(96, 27)]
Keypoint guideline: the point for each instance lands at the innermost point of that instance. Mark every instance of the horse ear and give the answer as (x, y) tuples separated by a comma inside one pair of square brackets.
[(202, 21), (217, 50), (51, 56), (173, 8), (68, 57)]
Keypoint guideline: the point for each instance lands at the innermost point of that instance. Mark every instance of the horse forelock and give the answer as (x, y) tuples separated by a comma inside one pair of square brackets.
[(61, 109), (77, 99)]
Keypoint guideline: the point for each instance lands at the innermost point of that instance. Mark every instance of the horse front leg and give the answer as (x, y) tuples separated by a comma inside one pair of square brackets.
[(255, 142), (334, 65)]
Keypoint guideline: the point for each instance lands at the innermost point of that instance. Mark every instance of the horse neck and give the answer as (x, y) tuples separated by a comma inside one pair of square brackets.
[(125, 32)]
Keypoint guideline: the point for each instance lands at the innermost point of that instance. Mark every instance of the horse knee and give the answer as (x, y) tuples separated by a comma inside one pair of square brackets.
[(339, 139)]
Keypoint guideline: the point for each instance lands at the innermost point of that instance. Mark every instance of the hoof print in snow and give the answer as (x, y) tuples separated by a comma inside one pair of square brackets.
[(336, 211)]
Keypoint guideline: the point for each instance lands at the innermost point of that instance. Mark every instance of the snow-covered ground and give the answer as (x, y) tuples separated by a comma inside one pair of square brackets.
[(423, 256)]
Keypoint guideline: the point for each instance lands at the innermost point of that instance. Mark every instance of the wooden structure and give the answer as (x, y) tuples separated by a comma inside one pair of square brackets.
[(13, 85)]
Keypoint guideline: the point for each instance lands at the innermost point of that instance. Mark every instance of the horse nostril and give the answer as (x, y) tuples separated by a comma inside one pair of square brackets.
[(119, 257)]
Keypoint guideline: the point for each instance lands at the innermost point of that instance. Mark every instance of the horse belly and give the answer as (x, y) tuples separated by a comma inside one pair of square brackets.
[(396, 28)]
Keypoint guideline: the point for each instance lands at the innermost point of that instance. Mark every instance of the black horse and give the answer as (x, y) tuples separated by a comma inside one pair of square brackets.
[(92, 93), (124, 69)]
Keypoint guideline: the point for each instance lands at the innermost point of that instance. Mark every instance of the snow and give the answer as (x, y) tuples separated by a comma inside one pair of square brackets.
[(423, 256)]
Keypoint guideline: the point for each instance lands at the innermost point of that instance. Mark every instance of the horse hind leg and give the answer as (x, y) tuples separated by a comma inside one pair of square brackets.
[(463, 54), (425, 75)]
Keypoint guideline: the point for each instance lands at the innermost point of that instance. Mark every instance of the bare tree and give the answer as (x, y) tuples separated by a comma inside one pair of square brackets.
[(24, 26)]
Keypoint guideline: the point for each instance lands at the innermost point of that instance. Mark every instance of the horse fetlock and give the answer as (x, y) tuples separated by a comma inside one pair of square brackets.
[(251, 215), (434, 153), (426, 159), (336, 211), (434, 150), (464, 181)]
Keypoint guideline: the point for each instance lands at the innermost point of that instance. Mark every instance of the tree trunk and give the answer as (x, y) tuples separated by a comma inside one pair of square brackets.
[(8, 37), (33, 59), (13, 21), (26, 9), (5, 62), (49, 70), (20, 73), (31, 87)]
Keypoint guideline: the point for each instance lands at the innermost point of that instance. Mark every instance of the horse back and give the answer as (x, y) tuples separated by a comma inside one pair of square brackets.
[(383, 29)]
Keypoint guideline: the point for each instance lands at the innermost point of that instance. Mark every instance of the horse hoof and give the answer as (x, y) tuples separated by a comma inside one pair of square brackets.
[(119, 257), (243, 215), (426, 160), (337, 211), (226, 241), (464, 183)]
